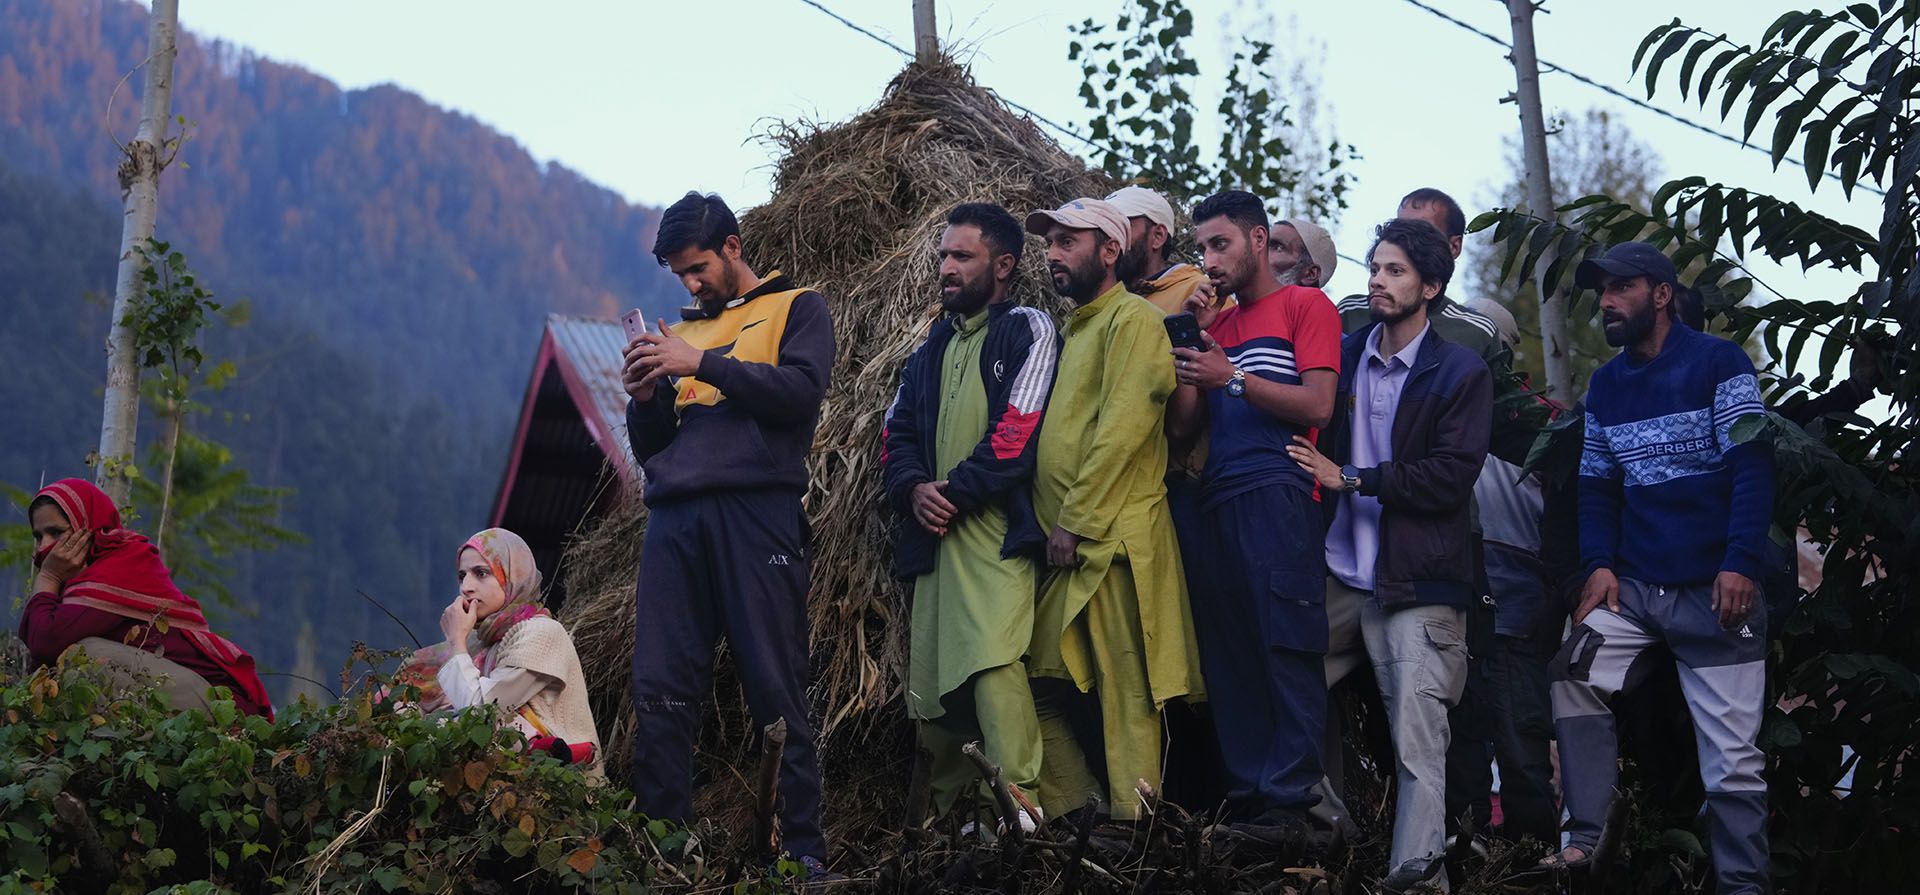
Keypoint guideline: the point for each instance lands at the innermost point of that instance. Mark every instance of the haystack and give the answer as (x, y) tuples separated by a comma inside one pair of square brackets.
[(856, 212)]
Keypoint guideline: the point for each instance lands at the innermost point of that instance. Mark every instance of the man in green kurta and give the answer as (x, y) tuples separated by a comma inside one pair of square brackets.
[(959, 469), (1112, 617)]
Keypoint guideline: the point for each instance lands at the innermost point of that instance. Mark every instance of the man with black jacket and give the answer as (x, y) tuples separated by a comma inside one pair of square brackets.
[(959, 471), (723, 412), (1408, 437)]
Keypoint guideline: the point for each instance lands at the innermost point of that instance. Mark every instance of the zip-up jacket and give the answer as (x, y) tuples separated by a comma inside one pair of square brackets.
[(744, 420), (1440, 432), (1017, 364)]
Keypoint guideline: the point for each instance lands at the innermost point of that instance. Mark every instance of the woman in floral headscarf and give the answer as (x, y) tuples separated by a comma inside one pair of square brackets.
[(104, 588), (504, 648)]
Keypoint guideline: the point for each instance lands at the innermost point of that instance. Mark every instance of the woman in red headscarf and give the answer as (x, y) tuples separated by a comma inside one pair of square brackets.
[(103, 586)]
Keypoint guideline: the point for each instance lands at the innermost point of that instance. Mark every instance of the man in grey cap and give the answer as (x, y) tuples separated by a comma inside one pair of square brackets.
[(1301, 253), (1112, 616), (1145, 267)]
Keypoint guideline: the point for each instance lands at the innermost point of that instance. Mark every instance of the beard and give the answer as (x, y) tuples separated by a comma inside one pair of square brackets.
[(1287, 277), (727, 289), (1394, 313), (1132, 267), (973, 295), (1626, 329), (1078, 282)]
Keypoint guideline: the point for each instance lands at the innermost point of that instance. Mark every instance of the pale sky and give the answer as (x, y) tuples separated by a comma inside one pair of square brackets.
[(654, 98)]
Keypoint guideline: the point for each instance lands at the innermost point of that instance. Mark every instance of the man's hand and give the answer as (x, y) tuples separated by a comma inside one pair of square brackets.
[(931, 508), (1316, 464), (1733, 596), (65, 560), (1204, 305), (1601, 587), (633, 374), (666, 354), (1063, 548), (457, 621), (1207, 369)]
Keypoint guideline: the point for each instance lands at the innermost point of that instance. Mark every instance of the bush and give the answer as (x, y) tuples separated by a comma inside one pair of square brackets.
[(114, 792)]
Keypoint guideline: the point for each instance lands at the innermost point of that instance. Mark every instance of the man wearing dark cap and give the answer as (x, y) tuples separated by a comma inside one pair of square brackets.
[(1112, 617), (1673, 532)]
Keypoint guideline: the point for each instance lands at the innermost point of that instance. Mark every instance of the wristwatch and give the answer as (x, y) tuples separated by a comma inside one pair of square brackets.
[(1237, 383), (1350, 477)]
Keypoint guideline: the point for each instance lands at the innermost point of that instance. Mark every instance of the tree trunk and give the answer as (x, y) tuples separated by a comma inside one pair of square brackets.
[(175, 421), (1533, 143), (140, 182)]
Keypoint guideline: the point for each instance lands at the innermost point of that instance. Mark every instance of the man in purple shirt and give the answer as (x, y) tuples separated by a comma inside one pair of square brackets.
[(1408, 437)]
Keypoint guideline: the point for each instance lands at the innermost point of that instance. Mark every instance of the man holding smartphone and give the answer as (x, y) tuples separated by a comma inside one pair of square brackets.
[(1267, 373), (722, 416)]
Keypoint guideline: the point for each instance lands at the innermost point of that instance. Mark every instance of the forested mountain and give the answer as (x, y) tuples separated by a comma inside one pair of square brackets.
[(398, 257)]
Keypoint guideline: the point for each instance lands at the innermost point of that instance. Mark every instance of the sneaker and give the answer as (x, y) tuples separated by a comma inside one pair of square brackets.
[(818, 874), (1418, 875)]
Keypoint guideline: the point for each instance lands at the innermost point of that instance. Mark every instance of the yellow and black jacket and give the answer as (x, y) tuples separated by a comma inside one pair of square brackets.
[(745, 419)]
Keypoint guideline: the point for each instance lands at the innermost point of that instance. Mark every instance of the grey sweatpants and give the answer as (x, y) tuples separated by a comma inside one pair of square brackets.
[(1723, 676)]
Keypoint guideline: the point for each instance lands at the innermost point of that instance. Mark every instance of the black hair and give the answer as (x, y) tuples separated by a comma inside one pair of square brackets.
[(1431, 256), (44, 500), (694, 222), (1426, 195), (1003, 234), (1239, 206)]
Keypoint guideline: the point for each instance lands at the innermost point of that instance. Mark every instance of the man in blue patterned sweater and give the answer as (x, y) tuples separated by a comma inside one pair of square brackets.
[(1673, 533)]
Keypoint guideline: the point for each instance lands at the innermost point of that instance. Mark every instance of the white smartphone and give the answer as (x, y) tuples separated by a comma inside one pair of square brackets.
[(635, 322)]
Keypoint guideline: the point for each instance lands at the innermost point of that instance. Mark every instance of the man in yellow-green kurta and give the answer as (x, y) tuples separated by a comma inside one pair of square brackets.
[(959, 470), (1112, 618)]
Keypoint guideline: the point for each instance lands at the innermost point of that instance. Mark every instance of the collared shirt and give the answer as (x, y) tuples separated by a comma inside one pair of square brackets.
[(1353, 541)]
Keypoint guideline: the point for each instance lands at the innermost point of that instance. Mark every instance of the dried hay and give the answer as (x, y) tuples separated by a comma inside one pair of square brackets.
[(856, 211)]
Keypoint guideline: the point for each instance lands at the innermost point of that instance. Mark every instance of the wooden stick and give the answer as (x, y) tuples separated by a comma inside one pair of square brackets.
[(919, 796), (96, 862), (1002, 799), (1607, 849), (1026, 804), (773, 744), (1082, 840)]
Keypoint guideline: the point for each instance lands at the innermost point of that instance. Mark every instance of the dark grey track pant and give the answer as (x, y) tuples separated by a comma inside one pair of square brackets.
[(1723, 676)]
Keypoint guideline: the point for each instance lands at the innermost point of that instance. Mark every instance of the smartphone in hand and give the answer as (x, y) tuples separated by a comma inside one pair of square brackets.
[(635, 322), (1184, 331)]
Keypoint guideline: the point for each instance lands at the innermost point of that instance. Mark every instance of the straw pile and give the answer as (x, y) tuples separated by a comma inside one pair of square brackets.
[(856, 212)]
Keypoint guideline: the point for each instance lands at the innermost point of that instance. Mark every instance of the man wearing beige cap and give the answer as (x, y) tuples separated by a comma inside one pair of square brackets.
[(1112, 617), (1301, 253), (1145, 267)]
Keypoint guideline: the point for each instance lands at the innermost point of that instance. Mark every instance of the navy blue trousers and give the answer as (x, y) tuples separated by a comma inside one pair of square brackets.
[(732, 564), (1261, 617)]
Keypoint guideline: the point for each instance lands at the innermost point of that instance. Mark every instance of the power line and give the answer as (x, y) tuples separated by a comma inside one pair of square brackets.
[(1003, 97), (1631, 99)]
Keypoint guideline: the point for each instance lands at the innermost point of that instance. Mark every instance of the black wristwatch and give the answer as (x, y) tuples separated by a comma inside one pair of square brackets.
[(1350, 477)]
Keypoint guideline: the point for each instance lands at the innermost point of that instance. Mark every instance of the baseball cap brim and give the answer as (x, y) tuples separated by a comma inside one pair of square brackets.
[(1593, 272)]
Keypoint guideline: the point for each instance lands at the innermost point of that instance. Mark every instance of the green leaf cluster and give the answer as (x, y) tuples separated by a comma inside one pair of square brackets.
[(1138, 82), (351, 797)]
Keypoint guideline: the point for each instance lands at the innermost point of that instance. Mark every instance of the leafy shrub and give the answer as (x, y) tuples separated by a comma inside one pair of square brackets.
[(114, 792)]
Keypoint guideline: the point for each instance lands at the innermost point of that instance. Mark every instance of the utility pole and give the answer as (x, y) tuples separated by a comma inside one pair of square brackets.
[(1533, 144), (926, 42), (140, 185)]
